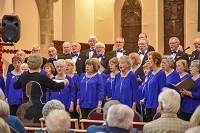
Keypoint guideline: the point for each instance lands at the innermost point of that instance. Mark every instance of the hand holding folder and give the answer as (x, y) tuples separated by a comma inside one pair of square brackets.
[(188, 84)]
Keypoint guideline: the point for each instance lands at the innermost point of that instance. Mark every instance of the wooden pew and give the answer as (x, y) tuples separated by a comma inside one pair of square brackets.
[(74, 123)]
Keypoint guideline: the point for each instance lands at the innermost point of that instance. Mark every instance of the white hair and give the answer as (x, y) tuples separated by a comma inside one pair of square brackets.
[(101, 44), (169, 100), (120, 116), (92, 37), (169, 60), (58, 121), (60, 61)]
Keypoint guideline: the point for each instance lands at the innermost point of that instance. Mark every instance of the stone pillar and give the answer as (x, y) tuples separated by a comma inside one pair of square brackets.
[(45, 10)]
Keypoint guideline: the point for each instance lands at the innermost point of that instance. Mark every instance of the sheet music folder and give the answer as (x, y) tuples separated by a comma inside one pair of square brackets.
[(188, 84)]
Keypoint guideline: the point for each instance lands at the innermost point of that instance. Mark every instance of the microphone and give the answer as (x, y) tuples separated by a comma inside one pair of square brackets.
[(186, 48)]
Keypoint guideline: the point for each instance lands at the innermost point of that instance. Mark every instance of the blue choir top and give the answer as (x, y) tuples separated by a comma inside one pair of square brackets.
[(186, 76), (109, 86), (91, 90), (2, 83), (141, 93), (154, 87), (173, 78), (125, 89), (189, 104)]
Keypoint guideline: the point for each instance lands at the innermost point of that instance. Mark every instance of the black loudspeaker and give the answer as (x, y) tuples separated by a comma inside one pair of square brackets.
[(10, 28)]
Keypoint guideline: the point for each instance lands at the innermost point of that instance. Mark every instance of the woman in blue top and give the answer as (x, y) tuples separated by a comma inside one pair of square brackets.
[(172, 76), (125, 84), (191, 99), (2, 83), (114, 68), (156, 81), (182, 69), (67, 95), (14, 96), (71, 71), (91, 88), (141, 92)]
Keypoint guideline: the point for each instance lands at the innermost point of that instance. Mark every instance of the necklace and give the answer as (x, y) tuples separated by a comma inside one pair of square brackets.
[(87, 80)]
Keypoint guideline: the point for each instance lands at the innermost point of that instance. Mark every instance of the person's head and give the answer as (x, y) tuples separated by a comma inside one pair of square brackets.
[(70, 66), (92, 65), (167, 62), (34, 62), (195, 67), (195, 119), (52, 105), (154, 59), (196, 43), (146, 69), (36, 49), (120, 116), (49, 68), (174, 43), (2, 96), (58, 121), (181, 66), (193, 130), (16, 61), (125, 63), (67, 48), (100, 48), (4, 128), (114, 64), (92, 40), (4, 109), (135, 57), (119, 43), (142, 36), (21, 54), (60, 66), (76, 47), (24, 66), (108, 105), (52, 52), (143, 45), (167, 99)]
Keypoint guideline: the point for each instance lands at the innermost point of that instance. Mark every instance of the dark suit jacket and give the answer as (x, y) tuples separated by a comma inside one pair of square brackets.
[(80, 63), (114, 53), (64, 56), (180, 55), (86, 53), (104, 62), (195, 55)]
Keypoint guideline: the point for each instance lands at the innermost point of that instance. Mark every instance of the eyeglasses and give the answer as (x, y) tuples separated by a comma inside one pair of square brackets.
[(119, 42), (99, 47)]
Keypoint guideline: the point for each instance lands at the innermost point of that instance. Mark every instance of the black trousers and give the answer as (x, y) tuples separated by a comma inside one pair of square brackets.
[(13, 109), (85, 112), (150, 114)]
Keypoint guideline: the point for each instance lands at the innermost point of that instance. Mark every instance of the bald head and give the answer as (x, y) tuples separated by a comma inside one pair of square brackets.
[(66, 48)]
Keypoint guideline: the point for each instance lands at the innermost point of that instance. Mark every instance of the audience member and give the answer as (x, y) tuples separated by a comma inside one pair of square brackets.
[(119, 44), (169, 104), (191, 99), (195, 119), (66, 49), (92, 40), (144, 36), (58, 121), (193, 130), (125, 84), (182, 69), (14, 96), (91, 88), (172, 76), (174, 43), (109, 83), (103, 59), (4, 128), (156, 81), (78, 58), (119, 119), (93, 128), (196, 52), (21, 54)]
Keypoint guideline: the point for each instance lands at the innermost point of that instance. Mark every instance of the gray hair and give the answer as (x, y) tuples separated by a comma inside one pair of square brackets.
[(175, 39), (120, 116), (196, 64), (101, 44), (169, 100), (58, 121), (52, 105), (4, 128), (109, 104), (169, 60), (60, 61), (92, 37), (128, 61)]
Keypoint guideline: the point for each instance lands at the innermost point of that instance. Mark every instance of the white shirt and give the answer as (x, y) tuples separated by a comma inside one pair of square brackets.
[(75, 58), (119, 54)]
